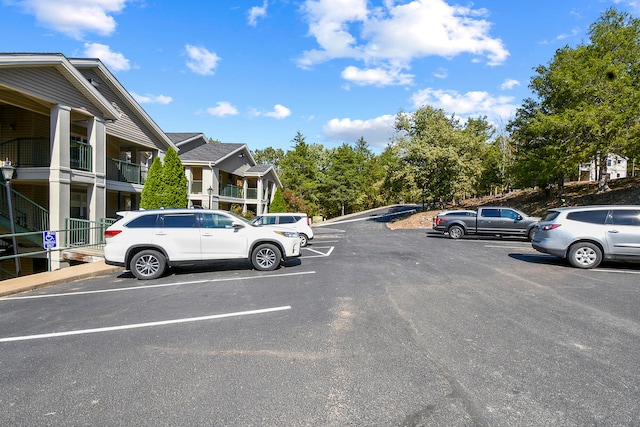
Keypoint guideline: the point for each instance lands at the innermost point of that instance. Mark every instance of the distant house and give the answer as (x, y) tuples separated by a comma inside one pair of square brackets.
[(222, 175), (616, 168)]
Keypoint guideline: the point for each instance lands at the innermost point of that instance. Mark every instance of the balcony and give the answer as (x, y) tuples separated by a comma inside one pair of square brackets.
[(36, 152), (121, 171), (228, 190)]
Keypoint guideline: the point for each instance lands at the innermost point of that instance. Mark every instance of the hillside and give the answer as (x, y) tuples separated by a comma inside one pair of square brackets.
[(625, 191)]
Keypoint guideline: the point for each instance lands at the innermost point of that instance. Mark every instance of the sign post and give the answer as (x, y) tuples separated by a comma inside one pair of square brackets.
[(50, 242)]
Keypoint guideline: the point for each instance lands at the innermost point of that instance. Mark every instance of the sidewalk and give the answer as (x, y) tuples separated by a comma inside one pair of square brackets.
[(63, 275)]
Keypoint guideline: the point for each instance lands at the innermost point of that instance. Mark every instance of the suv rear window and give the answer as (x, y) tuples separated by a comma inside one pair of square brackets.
[(591, 217), (551, 215), (625, 217), (144, 221), (287, 220), (179, 221)]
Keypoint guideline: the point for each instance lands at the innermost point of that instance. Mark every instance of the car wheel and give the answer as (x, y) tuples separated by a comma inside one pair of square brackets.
[(304, 240), (585, 255), (265, 257), (456, 232), (148, 264), (530, 234)]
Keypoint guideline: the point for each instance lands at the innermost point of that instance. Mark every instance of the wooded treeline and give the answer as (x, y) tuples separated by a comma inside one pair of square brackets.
[(586, 105)]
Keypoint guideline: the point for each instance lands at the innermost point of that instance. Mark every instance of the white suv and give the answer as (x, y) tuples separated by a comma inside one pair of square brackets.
[(148, 241), (297, 221)]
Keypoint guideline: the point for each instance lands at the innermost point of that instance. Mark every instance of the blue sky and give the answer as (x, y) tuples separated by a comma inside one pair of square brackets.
[(259, 71)]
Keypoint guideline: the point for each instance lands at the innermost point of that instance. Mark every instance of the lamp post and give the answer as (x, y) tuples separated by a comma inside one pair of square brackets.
[(210, 191), (7, 173)]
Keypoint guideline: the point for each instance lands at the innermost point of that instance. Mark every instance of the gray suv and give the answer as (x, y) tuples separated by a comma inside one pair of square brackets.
[(586, 235)]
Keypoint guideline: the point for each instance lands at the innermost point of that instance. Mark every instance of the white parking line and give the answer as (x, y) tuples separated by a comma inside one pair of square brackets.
[(143, 325), (137, 288), (320, 253)]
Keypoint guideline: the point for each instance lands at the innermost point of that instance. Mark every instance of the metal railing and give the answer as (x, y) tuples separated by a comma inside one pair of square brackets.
[(81, 156), (252, 193), (36, 152), (118, 170), (26, 213), (196, 187), (27, 152), (228, 190), (79, 233)]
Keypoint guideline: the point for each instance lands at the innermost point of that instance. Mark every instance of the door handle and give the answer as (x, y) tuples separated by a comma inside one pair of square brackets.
[(613, 231)]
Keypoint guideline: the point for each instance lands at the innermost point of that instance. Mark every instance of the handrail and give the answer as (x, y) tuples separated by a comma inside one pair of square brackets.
[(27, 152), (26, 213)]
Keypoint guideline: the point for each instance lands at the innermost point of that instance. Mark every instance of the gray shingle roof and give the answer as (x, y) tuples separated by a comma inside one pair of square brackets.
[(210, 152)]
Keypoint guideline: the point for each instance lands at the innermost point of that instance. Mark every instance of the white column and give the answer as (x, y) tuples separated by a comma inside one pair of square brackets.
[(59, 175)]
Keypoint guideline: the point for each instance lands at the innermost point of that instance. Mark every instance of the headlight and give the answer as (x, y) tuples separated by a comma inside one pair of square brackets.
[(291, 234)]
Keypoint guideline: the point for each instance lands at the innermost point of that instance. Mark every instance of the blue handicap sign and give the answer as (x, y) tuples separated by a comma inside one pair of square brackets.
[(49, 239)]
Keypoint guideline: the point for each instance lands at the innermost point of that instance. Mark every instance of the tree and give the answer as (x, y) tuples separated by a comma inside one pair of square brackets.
[(174, 181), (588, 103), (278, 204), (439, 159), (151, 197), (269, 156)]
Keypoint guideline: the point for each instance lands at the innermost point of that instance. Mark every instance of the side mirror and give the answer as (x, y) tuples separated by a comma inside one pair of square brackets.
[(519, 218), (237, 225)]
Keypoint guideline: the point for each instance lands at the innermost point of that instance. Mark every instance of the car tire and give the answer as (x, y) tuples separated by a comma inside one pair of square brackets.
[(304, 240), (530, 234), (266, 257), (585, 255), (148, 264), (456, 232)]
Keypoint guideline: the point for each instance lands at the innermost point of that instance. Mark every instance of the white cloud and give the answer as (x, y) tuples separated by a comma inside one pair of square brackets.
[(441, 73), (279, 112), (151, 99), (113, 60), (74, 17), (257, 12), (201, 61), (509, 84), (375, 76), (391, 36), (222, 109), (377, 132), (474, 103)]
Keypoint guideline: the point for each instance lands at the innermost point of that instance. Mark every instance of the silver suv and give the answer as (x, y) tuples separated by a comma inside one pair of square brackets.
[(297, 221), (148, 241), (586, 235)]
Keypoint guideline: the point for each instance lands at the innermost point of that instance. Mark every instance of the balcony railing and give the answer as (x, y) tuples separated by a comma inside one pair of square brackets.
[(196, 187), (36, 152), (252, 193), (81, 156), (118, 170), (228, 190)]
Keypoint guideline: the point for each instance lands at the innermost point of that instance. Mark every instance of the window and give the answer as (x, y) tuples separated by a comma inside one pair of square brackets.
[(287, 220), (625, 217), (266, 220), (508, 213), (180, 221), (144, 221), (213, 220), (591, 217), (491, 213)]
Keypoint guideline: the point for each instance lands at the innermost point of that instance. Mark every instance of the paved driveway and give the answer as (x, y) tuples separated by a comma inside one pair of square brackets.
[(369, 327)]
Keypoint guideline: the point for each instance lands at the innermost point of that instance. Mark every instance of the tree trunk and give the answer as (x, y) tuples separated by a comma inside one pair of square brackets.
[(603, 177)]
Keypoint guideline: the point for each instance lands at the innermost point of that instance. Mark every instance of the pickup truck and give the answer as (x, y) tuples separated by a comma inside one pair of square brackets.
[(487, 220)]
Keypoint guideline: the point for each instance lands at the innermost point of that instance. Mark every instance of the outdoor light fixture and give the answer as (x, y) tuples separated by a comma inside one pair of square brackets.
[(7, 173), (210, 191)]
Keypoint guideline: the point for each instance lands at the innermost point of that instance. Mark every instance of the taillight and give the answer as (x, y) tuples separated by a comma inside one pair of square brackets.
[(548, 227), (437, 220), (111, 233), (309, 221)]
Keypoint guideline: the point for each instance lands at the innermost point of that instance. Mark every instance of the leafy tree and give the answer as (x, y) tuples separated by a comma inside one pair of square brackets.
[(174, 181), (302, 168), (341, 184), (151, 196), (588, 104), (269, 156), (278, 204), (439, 160)]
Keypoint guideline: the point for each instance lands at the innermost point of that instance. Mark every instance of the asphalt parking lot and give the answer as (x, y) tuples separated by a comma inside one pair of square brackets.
[(368, 327)]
